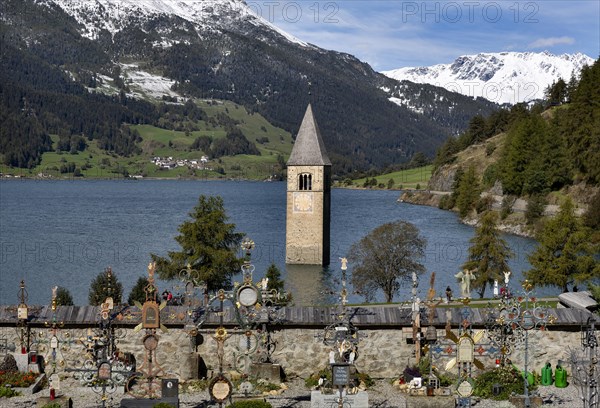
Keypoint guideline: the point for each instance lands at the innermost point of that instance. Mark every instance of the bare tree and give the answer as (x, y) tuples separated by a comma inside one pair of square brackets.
[(386, 255)]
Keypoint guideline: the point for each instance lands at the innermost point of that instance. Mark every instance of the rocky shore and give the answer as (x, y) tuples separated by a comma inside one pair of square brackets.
[(433, 198)]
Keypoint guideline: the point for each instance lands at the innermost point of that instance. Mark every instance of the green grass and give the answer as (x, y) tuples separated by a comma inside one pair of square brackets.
[(404, 179), (97, 163)]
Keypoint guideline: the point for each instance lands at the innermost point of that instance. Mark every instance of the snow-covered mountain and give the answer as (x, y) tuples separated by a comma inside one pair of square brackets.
[(150, 51), (206, 15), (506, 77)]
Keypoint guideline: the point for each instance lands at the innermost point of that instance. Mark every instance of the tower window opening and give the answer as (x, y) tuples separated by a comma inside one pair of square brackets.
[(305, 181)]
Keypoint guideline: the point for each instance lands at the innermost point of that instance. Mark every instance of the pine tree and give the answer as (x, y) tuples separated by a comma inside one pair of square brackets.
[(489, 253), (138, 292), (208, 243), (274, 276), (564, 255), (535, 208), (468, 191), (105, 284), (63, 297), (520, 149), (582, 124), (591, 218), (557, 93)]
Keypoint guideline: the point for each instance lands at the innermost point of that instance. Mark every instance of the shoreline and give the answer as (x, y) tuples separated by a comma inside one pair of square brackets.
[(432, 198)]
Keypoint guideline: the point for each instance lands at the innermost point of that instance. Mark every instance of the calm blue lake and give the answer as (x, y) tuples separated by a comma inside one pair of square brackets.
[(66, 232)]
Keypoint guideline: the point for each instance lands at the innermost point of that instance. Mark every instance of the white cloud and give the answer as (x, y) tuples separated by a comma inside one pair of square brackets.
[(550, 42)]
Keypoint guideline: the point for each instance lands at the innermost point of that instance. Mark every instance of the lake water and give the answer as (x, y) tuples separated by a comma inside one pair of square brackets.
[(66, 232)]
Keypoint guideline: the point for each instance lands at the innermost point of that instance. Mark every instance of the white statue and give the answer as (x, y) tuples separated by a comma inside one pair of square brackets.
[(506, 277), (465, 276)]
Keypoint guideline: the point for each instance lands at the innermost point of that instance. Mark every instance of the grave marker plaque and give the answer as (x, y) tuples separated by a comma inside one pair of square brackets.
[(340, 374), (465, 353), (104, 371), (22, 312), (464, 389), (150, 313), (220, 389), (54, 382)]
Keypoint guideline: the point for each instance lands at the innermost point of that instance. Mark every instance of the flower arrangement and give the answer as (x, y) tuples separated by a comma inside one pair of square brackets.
[(17, 379)]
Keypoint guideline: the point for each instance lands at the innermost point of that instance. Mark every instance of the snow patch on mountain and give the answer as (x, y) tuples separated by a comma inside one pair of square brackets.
[(507, 77), (114, 15), (145, 83)]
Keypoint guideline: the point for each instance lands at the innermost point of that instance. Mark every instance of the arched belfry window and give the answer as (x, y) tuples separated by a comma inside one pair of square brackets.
[(305, 181)]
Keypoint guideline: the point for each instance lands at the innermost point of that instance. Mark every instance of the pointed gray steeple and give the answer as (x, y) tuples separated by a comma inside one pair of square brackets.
[(309, 149)]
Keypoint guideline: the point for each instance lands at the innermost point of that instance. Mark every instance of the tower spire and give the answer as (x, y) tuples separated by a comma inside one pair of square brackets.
[(309, 149)]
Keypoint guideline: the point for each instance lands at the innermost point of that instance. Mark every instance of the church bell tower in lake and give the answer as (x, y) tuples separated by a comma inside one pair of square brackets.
[(308, 197)]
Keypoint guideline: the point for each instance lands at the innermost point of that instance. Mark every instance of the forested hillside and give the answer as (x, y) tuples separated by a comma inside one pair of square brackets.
[(538, 154), (56, 81)]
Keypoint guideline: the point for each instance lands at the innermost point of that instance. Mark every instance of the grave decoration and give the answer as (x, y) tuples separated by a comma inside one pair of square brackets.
[(220, 388), (506, 336), (146, 381), (25, 353), (584, 366), (55, 342), (192, 292), (431, 337), (255, 307), (104, 368), (464, 351), (415, 317), (23, 329), (4, 347), (512, 320), (343, 338)]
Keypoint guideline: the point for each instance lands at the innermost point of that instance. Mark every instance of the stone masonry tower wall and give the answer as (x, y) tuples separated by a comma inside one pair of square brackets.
[(308, 197)]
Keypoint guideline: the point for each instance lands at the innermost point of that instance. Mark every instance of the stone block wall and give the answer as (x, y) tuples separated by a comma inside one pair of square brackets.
[(307, 220), (382, 353)]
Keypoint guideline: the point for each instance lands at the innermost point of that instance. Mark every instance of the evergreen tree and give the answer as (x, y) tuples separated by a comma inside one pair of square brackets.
[(138, 292), (564, 255), (418, 160), (489, 254), (581, 126), (446, 153), (535, 208), (520, 149), (591, 217), (556, 94), (274, 276), (208, 243), (105, 284), (468, 191), (63, 297), (476, 132)]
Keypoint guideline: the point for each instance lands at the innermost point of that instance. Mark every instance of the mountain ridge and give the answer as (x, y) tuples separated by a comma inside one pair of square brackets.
[(232, 56), (504, 77)]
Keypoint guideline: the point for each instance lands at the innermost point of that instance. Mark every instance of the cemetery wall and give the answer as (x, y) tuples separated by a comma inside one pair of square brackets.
[(382, 353)]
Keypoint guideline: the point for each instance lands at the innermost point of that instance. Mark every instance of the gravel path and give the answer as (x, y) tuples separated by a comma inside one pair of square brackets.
[(382, 395)]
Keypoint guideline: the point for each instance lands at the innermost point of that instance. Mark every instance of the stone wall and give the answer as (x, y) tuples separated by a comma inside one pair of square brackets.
[(383, 353), (307, 217)]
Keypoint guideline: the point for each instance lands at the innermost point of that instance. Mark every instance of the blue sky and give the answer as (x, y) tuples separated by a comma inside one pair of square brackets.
[(392, 34)]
